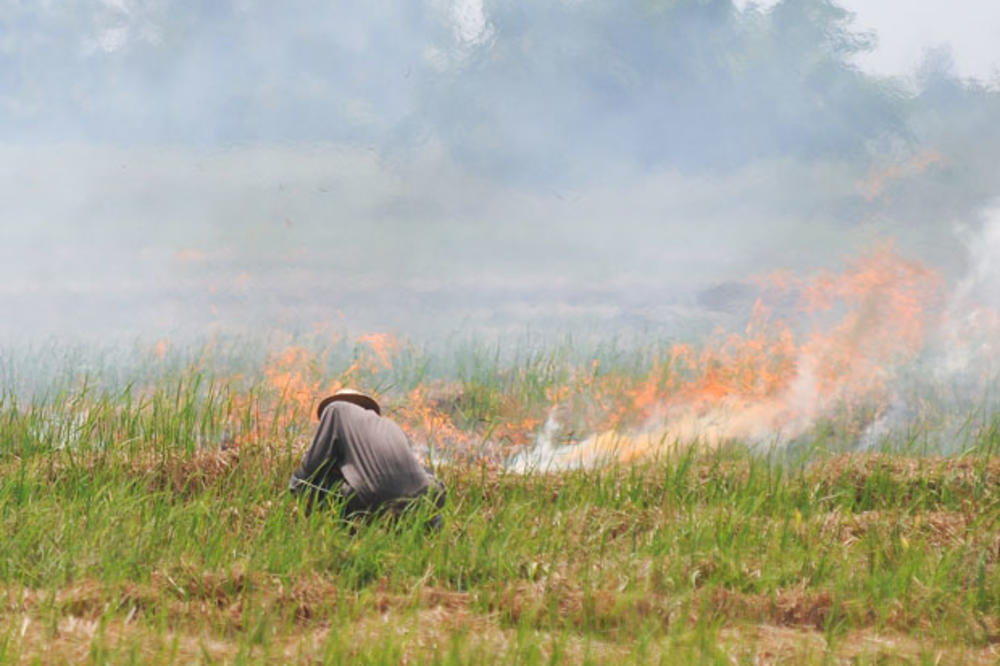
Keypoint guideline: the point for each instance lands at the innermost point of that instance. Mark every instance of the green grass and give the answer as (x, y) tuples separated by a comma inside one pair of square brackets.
[(146, 520)]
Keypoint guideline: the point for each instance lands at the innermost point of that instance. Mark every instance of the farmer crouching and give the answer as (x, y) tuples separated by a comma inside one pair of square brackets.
[(363, 461)]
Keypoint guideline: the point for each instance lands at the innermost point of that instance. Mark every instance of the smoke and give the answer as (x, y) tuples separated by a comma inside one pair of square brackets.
[(893, 361), (446, 166), (836, 353), (950, 393), (968, 349)]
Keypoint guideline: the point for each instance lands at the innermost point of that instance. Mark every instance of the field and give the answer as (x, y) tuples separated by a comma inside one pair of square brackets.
[(145, 519)]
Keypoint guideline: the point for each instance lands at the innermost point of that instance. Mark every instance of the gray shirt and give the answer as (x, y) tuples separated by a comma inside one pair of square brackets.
[(367, 451)]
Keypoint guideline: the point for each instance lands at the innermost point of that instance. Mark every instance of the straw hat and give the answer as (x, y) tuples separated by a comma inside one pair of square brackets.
[(350, 395)]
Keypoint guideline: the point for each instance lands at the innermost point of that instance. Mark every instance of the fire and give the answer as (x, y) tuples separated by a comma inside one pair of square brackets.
[(293, 374), (770, 383), (878, 180), (383, 345), (425, 422), (299, 376), (829, 343)]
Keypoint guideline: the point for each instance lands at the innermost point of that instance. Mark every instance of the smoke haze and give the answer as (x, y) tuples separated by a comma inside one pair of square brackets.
[(441, 166)]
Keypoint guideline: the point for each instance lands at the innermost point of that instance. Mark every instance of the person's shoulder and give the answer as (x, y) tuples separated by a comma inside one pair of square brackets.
[(342, 407), (389, 427), (349, 411)]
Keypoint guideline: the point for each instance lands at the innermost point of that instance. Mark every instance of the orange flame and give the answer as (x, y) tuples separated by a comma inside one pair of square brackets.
[(768, 384), (878, 180), (383, 345), (427, 423), (293, 374), (296, 379), (836, 348)]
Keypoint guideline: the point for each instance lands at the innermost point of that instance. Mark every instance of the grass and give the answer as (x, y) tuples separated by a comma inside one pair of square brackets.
[(147, 521)]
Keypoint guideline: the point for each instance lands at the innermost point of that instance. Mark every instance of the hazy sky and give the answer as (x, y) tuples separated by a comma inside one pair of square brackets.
[(969, 29)]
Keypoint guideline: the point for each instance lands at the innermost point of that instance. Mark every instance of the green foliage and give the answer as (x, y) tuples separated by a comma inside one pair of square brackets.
[(134, 530)]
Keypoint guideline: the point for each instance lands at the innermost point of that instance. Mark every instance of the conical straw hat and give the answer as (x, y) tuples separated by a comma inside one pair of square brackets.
[(350, 395)]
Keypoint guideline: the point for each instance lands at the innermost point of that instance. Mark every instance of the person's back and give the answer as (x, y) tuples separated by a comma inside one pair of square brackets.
[(365, 457), (375, 456)]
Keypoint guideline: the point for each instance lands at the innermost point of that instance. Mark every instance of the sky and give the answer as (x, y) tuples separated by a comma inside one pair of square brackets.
[(968, 29), (448, 166)]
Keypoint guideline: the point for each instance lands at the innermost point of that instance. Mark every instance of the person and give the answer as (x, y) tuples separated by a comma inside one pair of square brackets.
[(363, 461)]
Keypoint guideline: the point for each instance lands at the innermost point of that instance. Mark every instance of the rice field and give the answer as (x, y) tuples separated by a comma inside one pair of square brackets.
[(145, 520)]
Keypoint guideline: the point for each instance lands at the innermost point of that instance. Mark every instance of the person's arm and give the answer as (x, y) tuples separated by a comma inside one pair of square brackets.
[(319, 457)]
